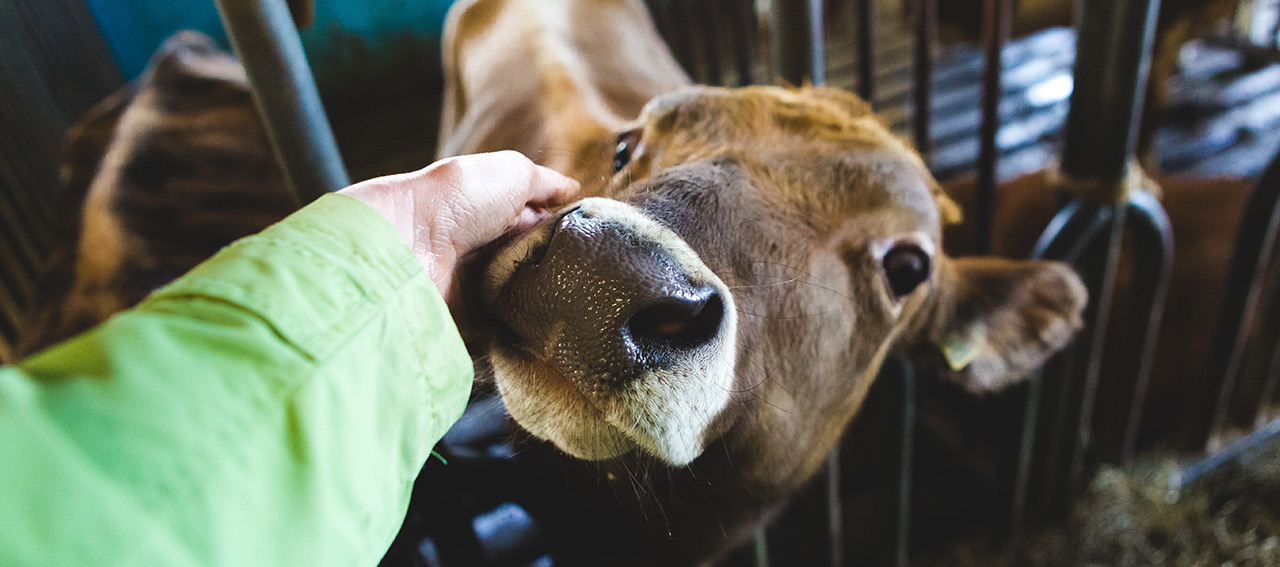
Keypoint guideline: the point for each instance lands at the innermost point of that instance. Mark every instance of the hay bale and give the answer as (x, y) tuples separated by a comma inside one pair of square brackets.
[(1133, 518)]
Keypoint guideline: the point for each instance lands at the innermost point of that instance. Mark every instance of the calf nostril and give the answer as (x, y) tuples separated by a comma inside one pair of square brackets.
[(536, 254), (678, 322)]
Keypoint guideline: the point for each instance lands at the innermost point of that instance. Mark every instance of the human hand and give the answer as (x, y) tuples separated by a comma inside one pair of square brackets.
[(456, 205)]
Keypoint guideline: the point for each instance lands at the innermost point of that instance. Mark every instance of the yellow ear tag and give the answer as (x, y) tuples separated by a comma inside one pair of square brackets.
[(959, 352)]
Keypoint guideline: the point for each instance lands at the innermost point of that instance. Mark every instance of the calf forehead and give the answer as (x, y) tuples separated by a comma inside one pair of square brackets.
[(768, 115), (811, 152), (881, 191), (873, 193)]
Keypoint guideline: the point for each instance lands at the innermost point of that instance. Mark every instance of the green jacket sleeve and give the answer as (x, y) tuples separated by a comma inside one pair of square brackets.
[(272, 407)]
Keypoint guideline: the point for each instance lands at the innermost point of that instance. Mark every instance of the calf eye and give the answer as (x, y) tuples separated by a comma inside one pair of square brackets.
[(906, 266), (627, 142)]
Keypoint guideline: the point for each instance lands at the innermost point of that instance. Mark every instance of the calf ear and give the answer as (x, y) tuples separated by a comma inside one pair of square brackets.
[(996, 320)]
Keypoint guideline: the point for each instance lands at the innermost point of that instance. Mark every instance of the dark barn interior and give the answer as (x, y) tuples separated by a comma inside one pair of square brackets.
[(1136, 140)]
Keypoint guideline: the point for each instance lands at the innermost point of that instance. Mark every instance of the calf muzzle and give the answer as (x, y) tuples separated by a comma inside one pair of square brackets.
[(605, 300)]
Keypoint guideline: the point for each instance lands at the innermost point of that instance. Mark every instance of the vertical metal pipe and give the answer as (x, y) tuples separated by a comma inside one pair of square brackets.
[(1050, 400), (835, 509), (905, 463), (798, 41), (1153, 268), (658, 12), (744, 17), (1026, 452), (761, 547), (926, 32), (1113, 59), (676, 27), (1270, 383), (1112, 63), (1258, 232), (1100, 278), (684, 24), (708, 12), (867, 50), (817, 42), (285, 93), (997, 23), (1255, 386)]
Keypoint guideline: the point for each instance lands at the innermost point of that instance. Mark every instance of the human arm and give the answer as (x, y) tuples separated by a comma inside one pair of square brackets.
[(272, 407)]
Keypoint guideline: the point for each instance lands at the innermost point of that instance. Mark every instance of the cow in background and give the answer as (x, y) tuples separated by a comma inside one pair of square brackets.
[(168, 171)]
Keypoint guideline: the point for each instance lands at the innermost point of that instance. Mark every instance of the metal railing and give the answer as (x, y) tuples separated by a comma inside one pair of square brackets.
[(1065, 424), (284, 90), (54, 67), (1062, 423)]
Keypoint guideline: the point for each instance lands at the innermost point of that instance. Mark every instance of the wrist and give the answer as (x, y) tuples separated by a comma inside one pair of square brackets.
[(428, 241)]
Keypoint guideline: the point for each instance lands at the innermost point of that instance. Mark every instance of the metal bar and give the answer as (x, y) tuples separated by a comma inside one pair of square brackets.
[(1153, 255), (33, 125), (1101, 134), (711, 41), (1244, 285), (19, 272), (76, 67), (817, 42), (798, 42), (658, 12), (1101, 284), (997, 23), (1100, 139), (761, 547), (1272, 378), (835, 509), (1194, 471), (685, 17), (926, 31), (744, 17), (1271, 372), (28, 242), (905, 463), (1050, 403), (1026, 450), (678, 36), (1068, 232), (867, 50), (1254, 383), (262, 33)]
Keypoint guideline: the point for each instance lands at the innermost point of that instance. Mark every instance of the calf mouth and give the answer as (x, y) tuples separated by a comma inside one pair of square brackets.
[(615, 338)]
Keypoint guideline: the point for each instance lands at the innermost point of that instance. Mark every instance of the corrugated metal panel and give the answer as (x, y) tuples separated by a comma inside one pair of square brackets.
[(55, 66)]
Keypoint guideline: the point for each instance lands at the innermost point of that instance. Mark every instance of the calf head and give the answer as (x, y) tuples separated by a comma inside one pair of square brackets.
[(740, 281)]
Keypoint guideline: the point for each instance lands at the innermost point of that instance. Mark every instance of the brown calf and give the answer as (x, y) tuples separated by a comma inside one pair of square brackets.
[(712, 315)]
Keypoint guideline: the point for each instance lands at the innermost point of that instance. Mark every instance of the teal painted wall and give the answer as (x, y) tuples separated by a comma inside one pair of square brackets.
[(344, 29)]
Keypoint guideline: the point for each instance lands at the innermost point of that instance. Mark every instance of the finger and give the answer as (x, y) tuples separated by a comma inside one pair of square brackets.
[(528, 218), (549, 188)]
